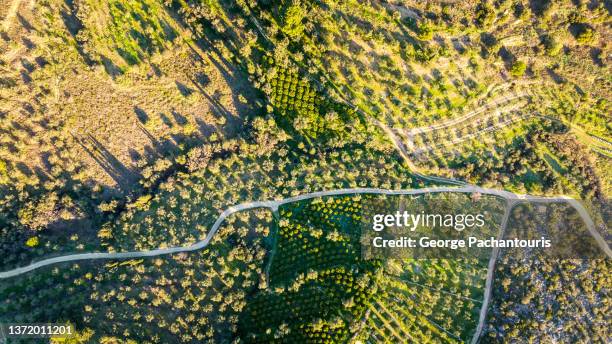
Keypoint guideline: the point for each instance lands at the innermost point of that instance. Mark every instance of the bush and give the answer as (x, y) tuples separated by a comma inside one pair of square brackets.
[(485, 14), (584, 33), (551, 46), (142, 202), (518, 68), (425, 30)]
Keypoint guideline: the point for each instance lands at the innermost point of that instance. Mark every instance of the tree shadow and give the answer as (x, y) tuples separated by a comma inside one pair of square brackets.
[(205, 128), (233, 72), (28, 43), (458, 46), (488, 41), (123, 176), (538, 7), (183, 89), (45, 158), (166, 120), (178, 118), (25, 77), (29, 67), (558, 79), (30, 110), (233, 77), (596, 56), (134, 155), (576, 29), (71, 21), (217, 107), (156, 70), (23, 22), (158, 148), (41, 61), (110, 67), (141, 114), (26, 128), (507, 57), (23, 168)]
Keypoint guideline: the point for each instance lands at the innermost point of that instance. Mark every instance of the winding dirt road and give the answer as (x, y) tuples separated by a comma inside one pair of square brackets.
[(274, 204)]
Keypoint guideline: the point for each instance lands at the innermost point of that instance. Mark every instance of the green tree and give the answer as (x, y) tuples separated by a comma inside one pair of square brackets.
[(292, 19)]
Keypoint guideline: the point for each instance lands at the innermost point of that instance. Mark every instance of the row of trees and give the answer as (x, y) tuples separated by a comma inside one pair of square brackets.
[(319, 285)]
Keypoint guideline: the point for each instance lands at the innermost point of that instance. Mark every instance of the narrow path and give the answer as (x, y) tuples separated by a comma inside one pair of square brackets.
[(489, 281), (387, 325), (418, 313), (472, 135), (594, 142), (380, 305), (454, 121), (439, 290)]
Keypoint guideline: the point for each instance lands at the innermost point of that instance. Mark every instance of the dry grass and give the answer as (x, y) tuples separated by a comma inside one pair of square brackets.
[(107, 123)]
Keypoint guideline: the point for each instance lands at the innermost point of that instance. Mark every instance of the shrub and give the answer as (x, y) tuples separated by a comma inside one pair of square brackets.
[(518, 68), (425, 30), (584, 33), (485, 14), (551, 46)]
